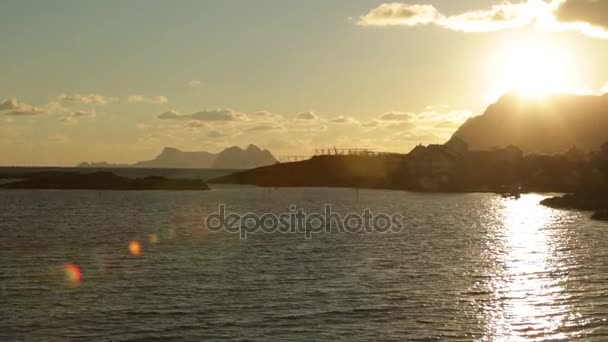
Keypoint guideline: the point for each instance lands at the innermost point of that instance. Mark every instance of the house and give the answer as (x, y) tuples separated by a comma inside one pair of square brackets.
[(434, 166)]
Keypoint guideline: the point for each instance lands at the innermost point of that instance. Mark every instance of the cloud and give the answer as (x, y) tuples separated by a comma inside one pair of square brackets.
[(194, 83), (396, 116), (218, 115), (401, 14), (172, 115), (9, 104), (26, 112), (265, 128), (12, 107), (589, 17), (94, 99), (344, 120), (215, 134), (205, 115), (83, 113), (196, 124), (593, 12), (151, 100), (76, 115), (305, 116), (370, 124)]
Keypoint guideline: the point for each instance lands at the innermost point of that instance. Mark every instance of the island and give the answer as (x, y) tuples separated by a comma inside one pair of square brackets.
[(101, 181)]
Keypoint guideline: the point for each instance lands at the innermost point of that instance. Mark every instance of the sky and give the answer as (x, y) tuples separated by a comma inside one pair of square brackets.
[(117, 80)]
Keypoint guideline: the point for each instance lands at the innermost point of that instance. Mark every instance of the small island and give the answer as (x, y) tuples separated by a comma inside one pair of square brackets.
[(101, 181)]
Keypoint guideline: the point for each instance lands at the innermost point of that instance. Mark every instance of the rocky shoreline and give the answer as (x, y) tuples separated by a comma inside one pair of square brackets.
[(596, 201)]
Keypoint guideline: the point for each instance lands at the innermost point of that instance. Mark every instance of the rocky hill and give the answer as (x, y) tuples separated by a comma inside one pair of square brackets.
[(540, 125)]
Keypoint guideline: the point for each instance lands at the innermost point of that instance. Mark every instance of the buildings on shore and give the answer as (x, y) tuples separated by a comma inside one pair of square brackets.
[(453, 166)]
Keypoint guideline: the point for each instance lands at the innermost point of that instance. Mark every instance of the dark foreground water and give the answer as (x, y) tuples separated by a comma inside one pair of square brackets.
[(465, 267)]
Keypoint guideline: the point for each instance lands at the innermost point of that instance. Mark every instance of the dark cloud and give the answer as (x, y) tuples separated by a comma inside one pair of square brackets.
[(594, 12), (26, 112), (262, 128), (589, 16), (344, 120), (10, 104), (73, 117), (12, 107)]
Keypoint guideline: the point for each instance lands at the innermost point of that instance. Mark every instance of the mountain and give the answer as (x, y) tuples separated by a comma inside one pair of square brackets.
[(237, 158), (173, 158), (540, 125), (230, 158)]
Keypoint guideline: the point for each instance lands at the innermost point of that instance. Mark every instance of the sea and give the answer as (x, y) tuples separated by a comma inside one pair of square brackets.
[(151, 266)]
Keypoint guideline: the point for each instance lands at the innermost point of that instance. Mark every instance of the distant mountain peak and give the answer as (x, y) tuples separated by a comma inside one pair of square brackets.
[(170, 150), (253, 148), (233, 157)]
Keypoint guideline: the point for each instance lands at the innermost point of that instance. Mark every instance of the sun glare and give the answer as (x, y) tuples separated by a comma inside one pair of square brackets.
[(532, 68)]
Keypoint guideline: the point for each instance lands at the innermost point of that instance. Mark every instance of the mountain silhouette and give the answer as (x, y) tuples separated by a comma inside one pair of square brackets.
[(231, 158), (237, 158), (550, 124), (173, 158)]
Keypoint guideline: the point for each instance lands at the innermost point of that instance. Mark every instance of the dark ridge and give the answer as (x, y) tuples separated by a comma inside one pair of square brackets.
[(102, 181)]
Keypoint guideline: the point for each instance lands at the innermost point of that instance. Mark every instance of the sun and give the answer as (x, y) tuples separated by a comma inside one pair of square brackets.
[(533, 68)]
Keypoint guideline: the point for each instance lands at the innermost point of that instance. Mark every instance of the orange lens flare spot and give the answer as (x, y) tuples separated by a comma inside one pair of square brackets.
[(153, 239), (134, 248), (72, 273)]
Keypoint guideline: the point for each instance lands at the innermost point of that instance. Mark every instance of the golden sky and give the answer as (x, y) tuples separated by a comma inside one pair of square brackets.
[(117, 81)]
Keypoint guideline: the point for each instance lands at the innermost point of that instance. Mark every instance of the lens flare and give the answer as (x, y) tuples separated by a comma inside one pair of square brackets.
[(153, 239), (134, 248), (72, 273)]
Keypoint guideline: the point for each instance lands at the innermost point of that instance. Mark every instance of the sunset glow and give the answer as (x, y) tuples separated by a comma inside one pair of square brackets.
[(532, 68)]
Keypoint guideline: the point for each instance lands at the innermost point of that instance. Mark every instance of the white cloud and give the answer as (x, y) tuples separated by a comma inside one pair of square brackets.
[(589, 17), (94, 99), (151, 100), (392, 14)]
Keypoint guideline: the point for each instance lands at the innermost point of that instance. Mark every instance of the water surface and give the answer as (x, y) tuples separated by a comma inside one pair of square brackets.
[(466, 267)]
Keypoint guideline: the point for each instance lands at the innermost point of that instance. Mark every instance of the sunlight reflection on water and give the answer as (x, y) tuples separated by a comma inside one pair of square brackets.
[(531, 285)]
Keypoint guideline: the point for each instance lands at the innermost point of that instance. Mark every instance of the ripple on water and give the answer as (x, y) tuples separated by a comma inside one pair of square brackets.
[(466, 267)]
